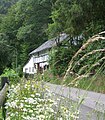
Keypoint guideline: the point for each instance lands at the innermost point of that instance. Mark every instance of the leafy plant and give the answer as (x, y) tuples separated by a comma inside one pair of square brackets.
[(59, 59), (89, 60), (30, 100), (11, 74)]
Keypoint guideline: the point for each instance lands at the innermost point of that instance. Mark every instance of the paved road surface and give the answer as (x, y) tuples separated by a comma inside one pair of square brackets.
[(93, 106)]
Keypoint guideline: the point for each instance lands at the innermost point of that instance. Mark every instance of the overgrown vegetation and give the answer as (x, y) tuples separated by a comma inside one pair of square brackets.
[(60, 56), (30, 100), (12, 75), (86, 67), (23, 28), (26, 24), (0, 114)]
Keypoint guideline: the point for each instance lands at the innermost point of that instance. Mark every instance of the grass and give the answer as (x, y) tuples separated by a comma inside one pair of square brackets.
[(98, 84), (86, 61), (93, 84), (31, 100), (0, 114)]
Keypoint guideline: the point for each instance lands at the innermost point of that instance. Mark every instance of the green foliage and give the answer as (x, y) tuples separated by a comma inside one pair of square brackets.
[(92, 60), (25, 24), (12, 75), (24, 32), (5, 4), (77, 17), (6, 53), (88, 60), (0, 114), (32, 100), (62, 54), (96, 85), (59, 59), (48, 76)]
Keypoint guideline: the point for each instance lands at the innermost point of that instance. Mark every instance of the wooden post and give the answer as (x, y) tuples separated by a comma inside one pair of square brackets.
[(3, 81)]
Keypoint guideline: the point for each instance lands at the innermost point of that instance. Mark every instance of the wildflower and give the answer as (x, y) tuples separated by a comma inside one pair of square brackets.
[(24, 109), (37, 94), (32, 95), (8, 118), (13, 104), (21, 105), (33, 105), (30, 111), (30, 100), (42, 117)]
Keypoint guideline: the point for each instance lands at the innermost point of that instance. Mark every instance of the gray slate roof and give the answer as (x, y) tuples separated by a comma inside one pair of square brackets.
[(48, 44)]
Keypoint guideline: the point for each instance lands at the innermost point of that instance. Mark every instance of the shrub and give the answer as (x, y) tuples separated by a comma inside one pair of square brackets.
[(30, 100), (11, 74), (59, 59), (89, 58)]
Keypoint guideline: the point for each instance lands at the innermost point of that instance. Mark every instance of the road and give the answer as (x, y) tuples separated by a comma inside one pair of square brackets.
[(93, 104)]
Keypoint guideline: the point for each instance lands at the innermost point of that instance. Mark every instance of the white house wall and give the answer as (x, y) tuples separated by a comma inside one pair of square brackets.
[(29, 67)]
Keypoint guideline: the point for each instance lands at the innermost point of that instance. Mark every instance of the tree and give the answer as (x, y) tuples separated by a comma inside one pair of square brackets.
[(80, 19), (77, 17), (6, 53), (60, 56), (25, 25), (5, 4)]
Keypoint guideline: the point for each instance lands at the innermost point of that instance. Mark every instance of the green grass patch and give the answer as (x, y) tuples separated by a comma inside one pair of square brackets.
[(1, 114), (95, 83)]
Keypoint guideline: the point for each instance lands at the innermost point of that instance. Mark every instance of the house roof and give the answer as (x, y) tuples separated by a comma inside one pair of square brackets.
[(49, 44)]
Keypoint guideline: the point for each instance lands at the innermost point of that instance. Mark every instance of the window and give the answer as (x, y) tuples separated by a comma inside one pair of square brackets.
[(29, 69), (32, 69)]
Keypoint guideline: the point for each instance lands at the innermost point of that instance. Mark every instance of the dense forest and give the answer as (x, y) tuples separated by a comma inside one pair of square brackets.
[(26, 24)]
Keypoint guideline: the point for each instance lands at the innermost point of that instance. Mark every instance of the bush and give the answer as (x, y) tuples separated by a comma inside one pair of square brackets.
[(59, 59), (11, 74)]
